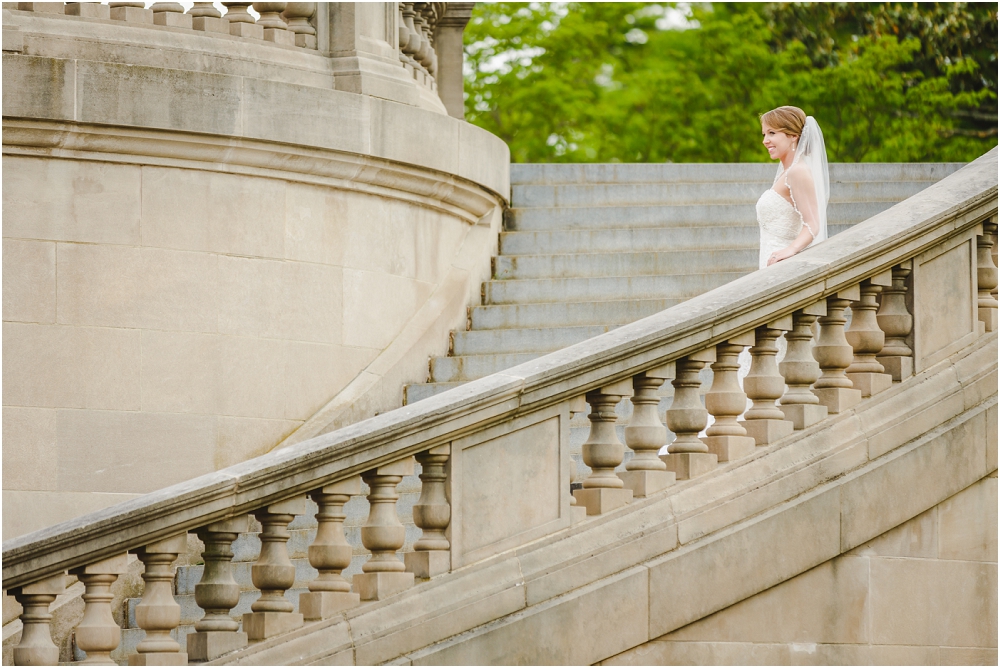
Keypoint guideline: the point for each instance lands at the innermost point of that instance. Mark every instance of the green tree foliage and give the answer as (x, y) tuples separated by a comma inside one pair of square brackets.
[(633, 82)]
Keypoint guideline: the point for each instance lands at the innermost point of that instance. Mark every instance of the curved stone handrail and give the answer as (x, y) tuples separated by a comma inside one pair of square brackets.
[(951, 207)]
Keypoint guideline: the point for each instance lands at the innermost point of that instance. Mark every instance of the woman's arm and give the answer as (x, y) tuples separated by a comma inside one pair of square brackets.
[(803, 191)]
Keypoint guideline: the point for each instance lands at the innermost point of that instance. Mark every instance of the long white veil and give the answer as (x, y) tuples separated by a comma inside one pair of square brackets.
[(811, 151)]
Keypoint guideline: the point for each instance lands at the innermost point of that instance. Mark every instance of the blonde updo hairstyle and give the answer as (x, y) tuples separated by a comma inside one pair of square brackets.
[(789, 120)]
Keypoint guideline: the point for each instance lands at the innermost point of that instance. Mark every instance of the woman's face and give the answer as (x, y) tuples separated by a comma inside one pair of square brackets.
[(777, 143)]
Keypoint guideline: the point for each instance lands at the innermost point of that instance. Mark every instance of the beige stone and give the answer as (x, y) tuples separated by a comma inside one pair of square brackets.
[(98, 285), (208, 645), (241, 439), (530, 480), (178, 290), (602, 500), (52, 78), (647, 483), (745, 561), (826, 604), (262, 625), (871, 383), (803, 415), (687, 465), (250, 384), (181, 372), (537, 636), (905, 655), (325, 604), (730, 448), (70, 200), (915, 538), (123, 451), (766, 432), (671, 653), (967, 656), (967, 523), (939, 602), (70, 367), (377, 306), (29, 281), (380, 586), (945, 305), (30, 455), (222, 213), (314, 371), (838, 399), (27, 511), (947, 463)]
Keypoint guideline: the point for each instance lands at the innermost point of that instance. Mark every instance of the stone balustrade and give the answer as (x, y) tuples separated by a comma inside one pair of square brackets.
[(494, 453), (335, 31), (290, 24)]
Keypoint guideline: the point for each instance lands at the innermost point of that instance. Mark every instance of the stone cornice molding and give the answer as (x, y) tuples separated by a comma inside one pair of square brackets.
[(950, 208), (250, 157)]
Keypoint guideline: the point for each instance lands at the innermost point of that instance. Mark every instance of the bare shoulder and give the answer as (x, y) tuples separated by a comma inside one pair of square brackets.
[(799, 175)]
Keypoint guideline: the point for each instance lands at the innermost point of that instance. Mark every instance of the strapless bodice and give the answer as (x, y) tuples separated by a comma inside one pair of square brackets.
[(777, 216), (779, 224)]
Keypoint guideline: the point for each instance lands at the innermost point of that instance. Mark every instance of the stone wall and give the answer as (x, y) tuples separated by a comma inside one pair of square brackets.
[(205, 243), (924, 593)]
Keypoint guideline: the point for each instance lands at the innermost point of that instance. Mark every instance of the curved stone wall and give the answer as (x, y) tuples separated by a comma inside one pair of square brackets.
[(196, 261)]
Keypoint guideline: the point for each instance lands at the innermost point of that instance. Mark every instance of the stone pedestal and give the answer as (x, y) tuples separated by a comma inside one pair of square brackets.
[(263, 625), (323, 604), (599, 500), (427, 564), (210, 24), (804, 415), (248, 30), (765, 432), (838, 399), (282, 37), (646, 483), (377, 586), (687, 465), (173, 19), (898, 367), (730, 448), (209, 645), (870, 384)]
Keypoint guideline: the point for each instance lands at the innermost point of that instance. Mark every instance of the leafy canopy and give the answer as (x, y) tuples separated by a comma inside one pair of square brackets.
[(634, 82)]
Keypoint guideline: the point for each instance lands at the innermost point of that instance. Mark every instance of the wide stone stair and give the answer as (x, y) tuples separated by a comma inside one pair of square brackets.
[(587, 248)]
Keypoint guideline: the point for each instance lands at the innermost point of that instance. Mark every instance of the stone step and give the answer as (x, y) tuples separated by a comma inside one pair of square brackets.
[(747, 192), (567, 314), (541, 340), (661, 263), (658, 215), (555, 173), (470, 367), (417, 391), (609, 288), (561, 242)]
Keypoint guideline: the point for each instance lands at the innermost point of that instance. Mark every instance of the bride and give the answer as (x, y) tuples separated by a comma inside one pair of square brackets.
[(792, 212)]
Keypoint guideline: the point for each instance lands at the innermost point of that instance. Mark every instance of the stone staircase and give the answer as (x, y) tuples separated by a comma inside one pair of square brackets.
[(588, 248)]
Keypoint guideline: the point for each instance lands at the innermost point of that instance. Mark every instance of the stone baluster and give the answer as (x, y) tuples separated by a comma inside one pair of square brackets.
[(241, 22), (645, 473), (432, 513), (990, 227), (577, 511), (604, 491), (411, 44), (688, 457), (44, 7), (131, 12), (273, 573), (330, 553), (205, 17), (90, 10), (36, 647), (422, 54), (867, 339), (383, 575), (799, 405), (218, 593), (986, 273), (893, 319), (726, 437), (764, 385), (297, 14), (158, 613), (834, 354), (275, 28), (98, 634), (171, 14), (430, 18)]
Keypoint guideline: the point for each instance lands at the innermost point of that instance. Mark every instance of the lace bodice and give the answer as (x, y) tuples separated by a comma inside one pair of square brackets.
[(779, 224)]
